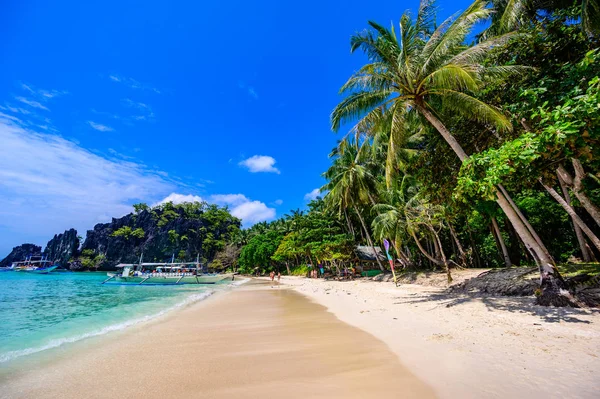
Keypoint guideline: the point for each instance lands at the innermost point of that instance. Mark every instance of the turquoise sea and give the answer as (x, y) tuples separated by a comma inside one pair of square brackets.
[(40, 312)]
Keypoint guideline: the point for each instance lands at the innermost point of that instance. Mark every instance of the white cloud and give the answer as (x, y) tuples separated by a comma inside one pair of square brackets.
[(100, 127), (179, 199), (144, 110), (132, 83), (312, 195), (41, 93), (49, 184), (240, 206), (260, 163), (32, 103), (278, 202), (253, 212)]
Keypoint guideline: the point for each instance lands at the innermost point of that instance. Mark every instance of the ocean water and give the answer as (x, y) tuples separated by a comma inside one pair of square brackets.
[(40, 312)]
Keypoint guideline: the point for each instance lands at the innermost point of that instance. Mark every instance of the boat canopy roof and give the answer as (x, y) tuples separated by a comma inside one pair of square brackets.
[(31, 261), (162, 265)]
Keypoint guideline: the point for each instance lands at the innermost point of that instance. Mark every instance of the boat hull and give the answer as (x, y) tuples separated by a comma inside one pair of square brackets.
[(44, 270), (168, 280)]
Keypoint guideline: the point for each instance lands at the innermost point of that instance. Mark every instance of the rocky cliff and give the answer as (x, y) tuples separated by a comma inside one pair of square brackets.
[(20, 253), (184, 231), (62, 247)]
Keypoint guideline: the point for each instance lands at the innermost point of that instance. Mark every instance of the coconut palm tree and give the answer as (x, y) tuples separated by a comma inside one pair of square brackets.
[(350, 183), (425, 70), (511, 14), (391, 221)]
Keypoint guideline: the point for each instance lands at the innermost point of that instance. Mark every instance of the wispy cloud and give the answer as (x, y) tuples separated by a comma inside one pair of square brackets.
[(278, 202), (144, 110), (32, 103), (260, 163), (132, 83), (100, 127), (312, 195), (54, 184), (42, 93), (249, 211), (249, 90)]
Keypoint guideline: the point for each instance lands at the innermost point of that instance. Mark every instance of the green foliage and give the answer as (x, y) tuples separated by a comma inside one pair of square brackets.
[(89, 259), (139, 208), (127, 232)]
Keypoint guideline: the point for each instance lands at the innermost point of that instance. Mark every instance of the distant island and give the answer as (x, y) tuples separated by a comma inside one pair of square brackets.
[(185, 232)]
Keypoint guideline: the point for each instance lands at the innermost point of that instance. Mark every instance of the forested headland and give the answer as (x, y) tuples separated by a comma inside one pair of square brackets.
[(470, 142)]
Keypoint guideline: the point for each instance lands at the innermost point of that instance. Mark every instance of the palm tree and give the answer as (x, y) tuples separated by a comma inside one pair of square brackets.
[(426, 70), (511, 14), (350, 183), (391, 221)]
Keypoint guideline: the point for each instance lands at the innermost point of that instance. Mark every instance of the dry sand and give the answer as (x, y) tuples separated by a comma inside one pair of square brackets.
[(253, 342), (466, 347)]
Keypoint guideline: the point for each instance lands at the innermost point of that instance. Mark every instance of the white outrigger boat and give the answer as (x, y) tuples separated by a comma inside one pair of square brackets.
[(39, 266), (165, 274)]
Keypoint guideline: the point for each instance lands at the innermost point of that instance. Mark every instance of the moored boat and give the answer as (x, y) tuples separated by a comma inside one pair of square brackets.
[(164, 274), (34, 265)]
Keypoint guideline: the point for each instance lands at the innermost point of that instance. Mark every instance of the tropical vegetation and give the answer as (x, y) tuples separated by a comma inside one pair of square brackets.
[(462, 146)]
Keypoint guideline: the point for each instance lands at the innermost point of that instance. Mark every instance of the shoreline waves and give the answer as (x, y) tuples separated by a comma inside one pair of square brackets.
[(254, 341)]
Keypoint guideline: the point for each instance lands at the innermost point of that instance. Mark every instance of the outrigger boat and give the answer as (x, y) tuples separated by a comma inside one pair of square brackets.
[(38, 266), (165, 274)]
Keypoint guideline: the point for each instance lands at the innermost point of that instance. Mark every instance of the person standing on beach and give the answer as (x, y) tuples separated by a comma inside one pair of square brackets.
[(272, 275), (278, 278)]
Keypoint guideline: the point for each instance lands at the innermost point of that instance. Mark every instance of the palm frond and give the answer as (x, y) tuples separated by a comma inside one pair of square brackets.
[(454, 77), (474, 109), (477, 53), (443, 46), (356, 105)]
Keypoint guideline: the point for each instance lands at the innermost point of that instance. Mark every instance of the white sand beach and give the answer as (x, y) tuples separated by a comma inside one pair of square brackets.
[(252, 342), (467, 347)]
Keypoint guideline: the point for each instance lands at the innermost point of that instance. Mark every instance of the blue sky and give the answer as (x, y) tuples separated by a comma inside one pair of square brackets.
[(107, 104)]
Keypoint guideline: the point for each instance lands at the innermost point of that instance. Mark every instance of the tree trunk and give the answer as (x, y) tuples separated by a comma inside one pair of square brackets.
[(514, 247), (474, 247), (375, 253), (541, 256), (424, 252), (350, 228), (507, 261), (461, 251), (585, 254), (287, 266), (592, 209), (443, 255), (524, 219), (577, 185), (592, 237)]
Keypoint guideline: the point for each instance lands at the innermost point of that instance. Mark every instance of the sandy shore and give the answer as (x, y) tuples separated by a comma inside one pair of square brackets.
[(467, 347), (255, 341)]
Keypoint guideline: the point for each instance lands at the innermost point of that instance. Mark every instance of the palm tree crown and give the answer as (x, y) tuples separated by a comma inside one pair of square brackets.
[(421, 69)]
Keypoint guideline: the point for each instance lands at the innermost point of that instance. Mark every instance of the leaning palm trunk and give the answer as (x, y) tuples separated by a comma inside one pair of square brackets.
[(362, 222), (459, 247), (424, 251), (553, 287), (585, 251), (436, 237), (574, 216), (503, 248), (577, 186)]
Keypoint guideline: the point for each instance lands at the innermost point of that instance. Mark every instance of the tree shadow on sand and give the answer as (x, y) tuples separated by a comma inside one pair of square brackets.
[(524, 305)]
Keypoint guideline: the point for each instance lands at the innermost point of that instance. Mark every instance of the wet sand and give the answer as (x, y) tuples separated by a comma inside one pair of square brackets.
[(255, 341)]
